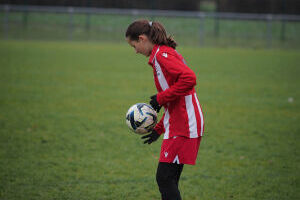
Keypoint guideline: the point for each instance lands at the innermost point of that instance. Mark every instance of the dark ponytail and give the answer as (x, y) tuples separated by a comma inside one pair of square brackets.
[(171, 42), (153, 30)]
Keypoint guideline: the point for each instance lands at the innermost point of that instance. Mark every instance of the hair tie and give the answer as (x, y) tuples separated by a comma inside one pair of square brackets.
[(150, 23)]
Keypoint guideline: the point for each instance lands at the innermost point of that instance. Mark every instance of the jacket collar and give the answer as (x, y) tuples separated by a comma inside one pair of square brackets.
[(153, 52)]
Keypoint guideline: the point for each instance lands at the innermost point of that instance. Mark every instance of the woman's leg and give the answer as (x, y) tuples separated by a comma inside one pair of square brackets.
[(180, 168), (167, 177)]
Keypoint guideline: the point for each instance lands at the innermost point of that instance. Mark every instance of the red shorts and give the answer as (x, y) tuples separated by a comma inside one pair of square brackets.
[(180, 150)]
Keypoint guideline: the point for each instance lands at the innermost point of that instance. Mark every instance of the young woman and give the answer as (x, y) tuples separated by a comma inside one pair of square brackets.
[(182, 122)]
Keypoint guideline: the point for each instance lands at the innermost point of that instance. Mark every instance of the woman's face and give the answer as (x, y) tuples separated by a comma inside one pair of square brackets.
[(142, 45)]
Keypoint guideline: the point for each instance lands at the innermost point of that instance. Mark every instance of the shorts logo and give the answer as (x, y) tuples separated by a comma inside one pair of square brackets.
[(166, 154)]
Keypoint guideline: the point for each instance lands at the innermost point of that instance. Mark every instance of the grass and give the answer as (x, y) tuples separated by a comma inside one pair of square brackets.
[(187, 31), (63, 133)]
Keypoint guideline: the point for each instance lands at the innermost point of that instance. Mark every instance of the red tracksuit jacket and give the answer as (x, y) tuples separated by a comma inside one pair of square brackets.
[(175, 83)]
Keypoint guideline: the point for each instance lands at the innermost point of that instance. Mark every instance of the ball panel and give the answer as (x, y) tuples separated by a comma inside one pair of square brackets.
[(141, 118)]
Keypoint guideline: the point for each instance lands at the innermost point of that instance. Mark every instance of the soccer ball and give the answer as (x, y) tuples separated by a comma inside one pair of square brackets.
[(141, 118)]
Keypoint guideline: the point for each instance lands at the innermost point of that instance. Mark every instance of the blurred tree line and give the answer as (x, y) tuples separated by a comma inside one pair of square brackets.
[(242, 6)]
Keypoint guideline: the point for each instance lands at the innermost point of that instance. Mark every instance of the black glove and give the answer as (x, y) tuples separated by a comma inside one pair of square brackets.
[(153, 136), (154, 103)]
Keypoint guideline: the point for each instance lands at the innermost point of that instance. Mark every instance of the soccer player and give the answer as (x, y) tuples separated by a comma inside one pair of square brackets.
[(182, 122)]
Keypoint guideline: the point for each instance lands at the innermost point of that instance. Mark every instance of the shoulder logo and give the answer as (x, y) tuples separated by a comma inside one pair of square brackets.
[(165, 55)]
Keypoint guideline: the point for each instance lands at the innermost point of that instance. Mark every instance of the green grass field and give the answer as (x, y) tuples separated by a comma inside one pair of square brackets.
[(63, 133)]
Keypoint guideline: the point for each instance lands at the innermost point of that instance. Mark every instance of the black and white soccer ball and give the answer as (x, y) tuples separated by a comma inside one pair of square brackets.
[(141, 118)]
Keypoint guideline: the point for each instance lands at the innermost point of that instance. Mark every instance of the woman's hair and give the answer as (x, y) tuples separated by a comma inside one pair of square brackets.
[(153, 30)]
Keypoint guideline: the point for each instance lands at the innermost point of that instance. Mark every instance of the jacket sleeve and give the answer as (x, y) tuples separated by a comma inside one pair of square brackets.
[(185, 78), (159, 128)]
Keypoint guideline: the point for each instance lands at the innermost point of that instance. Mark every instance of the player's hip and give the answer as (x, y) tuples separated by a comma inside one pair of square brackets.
[(180, 150)]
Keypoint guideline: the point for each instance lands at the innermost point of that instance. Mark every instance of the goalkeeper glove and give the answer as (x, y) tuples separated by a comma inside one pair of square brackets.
[(153, 136), (154, 103)]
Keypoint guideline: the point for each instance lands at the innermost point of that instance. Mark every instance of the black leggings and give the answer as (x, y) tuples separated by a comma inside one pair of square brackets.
[(167, 177)]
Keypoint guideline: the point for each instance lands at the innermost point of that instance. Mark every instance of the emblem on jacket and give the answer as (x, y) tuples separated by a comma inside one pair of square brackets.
[(157, 70)]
